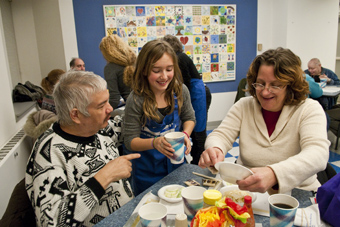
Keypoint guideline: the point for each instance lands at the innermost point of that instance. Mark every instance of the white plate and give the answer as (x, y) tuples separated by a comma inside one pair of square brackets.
[(231, 172), (235, 187), (170, 200)]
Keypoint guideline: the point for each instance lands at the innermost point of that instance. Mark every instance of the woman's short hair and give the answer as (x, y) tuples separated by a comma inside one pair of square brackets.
[(287, 69), (75, 90), (174, 43)]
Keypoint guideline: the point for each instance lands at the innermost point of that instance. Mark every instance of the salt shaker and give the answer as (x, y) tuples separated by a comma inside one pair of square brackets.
[(181, 220)]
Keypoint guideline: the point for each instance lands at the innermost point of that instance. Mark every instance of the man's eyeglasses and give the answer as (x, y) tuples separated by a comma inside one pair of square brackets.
[(271, 88)]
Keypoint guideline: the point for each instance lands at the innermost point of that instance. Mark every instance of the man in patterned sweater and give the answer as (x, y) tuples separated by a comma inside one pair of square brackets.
[(75, 176)]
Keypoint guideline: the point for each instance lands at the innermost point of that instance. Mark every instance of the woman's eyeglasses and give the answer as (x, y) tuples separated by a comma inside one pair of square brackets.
[(271, 88)]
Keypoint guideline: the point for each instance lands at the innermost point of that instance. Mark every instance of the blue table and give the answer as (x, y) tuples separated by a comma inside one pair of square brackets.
[(181, 174)]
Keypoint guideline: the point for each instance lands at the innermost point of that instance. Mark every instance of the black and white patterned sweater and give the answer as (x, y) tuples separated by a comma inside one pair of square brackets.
[(60, 182)]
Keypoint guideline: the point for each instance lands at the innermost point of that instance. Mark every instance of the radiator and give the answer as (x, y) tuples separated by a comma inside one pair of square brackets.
[(13, 160), (11, 145)]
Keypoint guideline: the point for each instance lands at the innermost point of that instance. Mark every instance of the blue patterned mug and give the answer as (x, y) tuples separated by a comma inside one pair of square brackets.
[(176, 139), (192, 200), (282, 210)]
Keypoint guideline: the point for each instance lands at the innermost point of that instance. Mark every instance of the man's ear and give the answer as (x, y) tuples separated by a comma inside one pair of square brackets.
[(74, 114)]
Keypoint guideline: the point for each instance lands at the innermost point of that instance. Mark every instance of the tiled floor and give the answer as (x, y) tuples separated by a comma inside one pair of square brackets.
[(334, 155)]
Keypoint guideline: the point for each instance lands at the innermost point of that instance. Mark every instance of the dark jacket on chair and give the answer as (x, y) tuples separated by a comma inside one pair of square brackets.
[(19, 211)]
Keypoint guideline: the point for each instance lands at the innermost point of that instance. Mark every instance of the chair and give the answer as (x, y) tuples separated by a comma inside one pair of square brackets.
[(334, 125), (327, 174), (240, 89), (19, 211)]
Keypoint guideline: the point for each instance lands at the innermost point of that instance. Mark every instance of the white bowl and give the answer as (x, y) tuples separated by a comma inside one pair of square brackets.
[(161, 193), (235, 187), (231, 172)]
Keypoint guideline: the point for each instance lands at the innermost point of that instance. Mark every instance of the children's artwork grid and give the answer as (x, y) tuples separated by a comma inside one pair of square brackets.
[(207, 32)]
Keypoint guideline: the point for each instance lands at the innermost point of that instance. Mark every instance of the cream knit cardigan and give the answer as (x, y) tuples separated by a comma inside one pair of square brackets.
[(297, 149)]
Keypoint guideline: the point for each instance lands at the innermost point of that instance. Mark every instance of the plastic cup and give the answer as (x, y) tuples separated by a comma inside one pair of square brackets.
[(181, 220), (176, 139), (282, 209), (323, 82), (153, 215), (193, 200)]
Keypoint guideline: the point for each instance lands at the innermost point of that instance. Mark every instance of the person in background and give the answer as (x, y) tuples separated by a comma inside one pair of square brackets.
[(75, 175), (193, 80), (48, 84), (77, 64), (282, 133), (314, 88), (316, 71), (120, 63), (316, 93), (159, 103)]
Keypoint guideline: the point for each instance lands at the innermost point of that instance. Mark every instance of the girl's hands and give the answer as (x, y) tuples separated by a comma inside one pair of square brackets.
[(187, 143), (163, 146)]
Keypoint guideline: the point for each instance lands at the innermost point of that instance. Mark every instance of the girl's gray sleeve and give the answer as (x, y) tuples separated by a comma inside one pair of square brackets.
[(187, 111), (132, 119)]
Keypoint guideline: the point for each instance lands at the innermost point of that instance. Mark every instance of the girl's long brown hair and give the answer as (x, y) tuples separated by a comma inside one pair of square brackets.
[(149, 55)]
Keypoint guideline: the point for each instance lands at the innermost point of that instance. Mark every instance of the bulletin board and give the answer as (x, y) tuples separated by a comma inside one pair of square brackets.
[(208, 32)]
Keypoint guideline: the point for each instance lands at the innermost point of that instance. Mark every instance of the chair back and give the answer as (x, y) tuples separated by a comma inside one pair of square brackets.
[(240, 89), (19, 211)]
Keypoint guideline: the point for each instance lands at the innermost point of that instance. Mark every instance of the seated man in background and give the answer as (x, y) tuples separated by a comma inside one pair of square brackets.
[(316, 71), (77, 64), (75, 175)]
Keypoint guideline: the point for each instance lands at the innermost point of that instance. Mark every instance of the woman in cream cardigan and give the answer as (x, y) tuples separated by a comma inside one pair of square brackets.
[(282, 134)]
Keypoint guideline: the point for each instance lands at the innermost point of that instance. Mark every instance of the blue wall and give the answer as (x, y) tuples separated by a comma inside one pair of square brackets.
[(90, 30)]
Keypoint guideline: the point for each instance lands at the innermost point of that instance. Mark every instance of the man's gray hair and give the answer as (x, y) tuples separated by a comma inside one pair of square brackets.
[(75, 90)]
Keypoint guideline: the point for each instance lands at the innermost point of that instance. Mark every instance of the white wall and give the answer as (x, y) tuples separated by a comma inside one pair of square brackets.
[(46, 39), (9, 127), (68, 31), (23, 20), (220, 104), (49, 35), (308, 27)]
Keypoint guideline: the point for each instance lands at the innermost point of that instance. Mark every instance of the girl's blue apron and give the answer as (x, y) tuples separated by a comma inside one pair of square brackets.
[(153, 165)]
